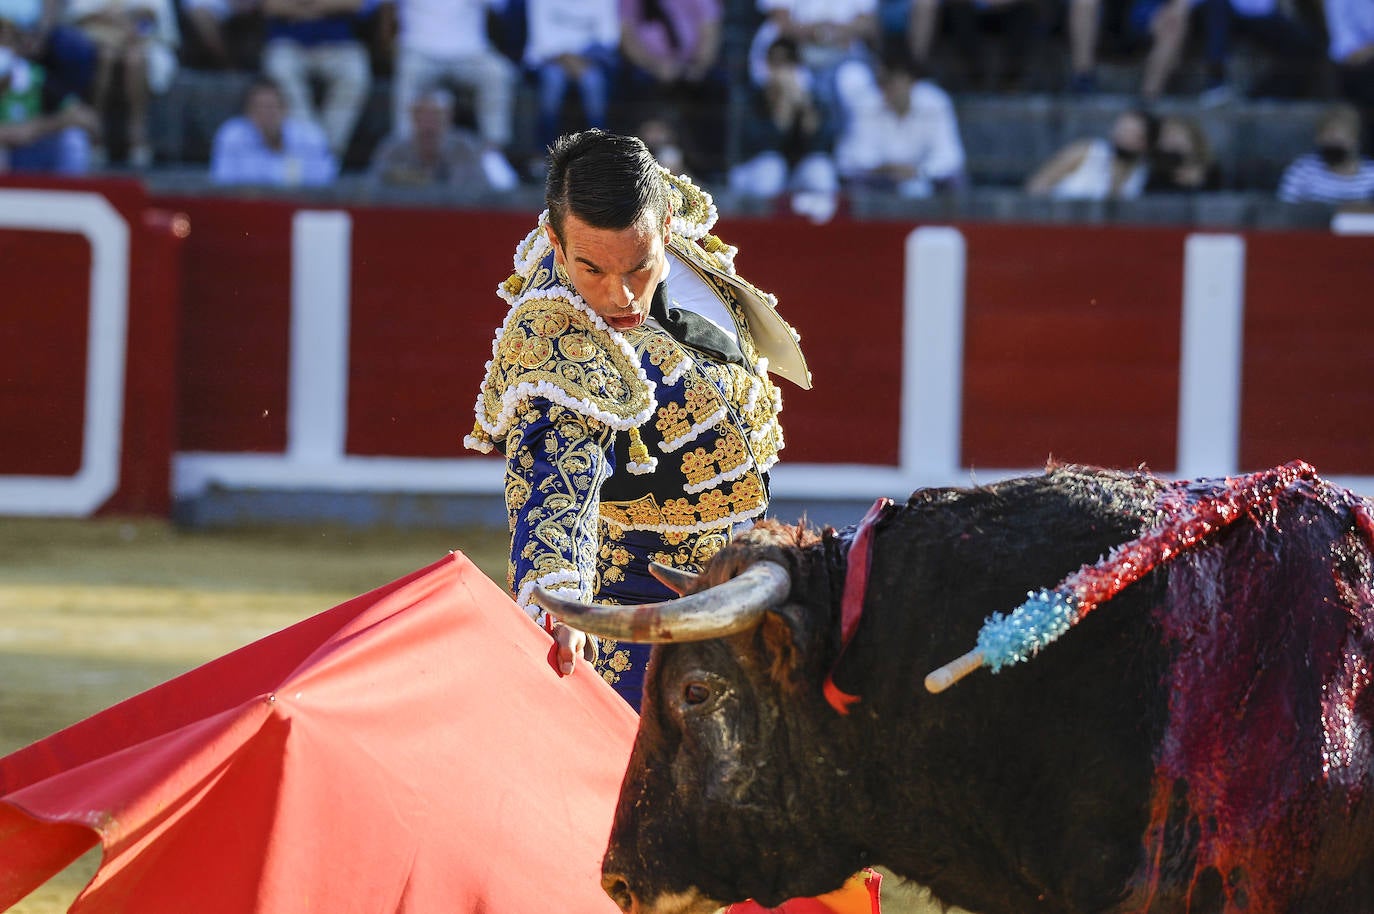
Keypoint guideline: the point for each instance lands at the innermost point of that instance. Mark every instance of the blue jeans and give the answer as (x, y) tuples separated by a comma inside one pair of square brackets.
[(593, 85), (67, 152), (1284, 37)]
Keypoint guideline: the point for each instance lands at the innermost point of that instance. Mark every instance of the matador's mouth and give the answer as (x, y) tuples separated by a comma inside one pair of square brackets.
[(628, 322)]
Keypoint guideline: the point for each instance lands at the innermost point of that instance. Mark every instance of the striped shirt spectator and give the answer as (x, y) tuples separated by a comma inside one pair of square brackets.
[(1310, 180), (1335, 172)]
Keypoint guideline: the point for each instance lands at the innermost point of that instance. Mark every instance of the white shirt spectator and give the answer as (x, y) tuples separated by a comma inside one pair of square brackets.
[(240, 156), (1308, 180), (926, 137), (812, 12), (445, 41), (1092, 179), (23, 13), (161, 51), (1350, 23), (445, 28), (558, 27)]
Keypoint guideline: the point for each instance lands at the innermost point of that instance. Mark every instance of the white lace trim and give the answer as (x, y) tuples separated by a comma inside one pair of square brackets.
[(727, 257), (642, 469), (727, 476), (699, 527), (512, 396), (751, 402), (693, 433), (683, 367), (531, 251), (477, 444), (553, 579), (763, 432), (693, 230)]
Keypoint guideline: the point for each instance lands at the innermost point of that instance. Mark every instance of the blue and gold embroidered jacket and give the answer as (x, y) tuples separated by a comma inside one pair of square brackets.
[(625, 447)]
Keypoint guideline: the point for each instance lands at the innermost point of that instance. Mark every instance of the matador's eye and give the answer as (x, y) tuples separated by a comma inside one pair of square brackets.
[(694, 693)]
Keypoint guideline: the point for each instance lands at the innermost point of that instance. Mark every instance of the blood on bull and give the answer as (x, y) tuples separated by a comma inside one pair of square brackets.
[(1181, 718)]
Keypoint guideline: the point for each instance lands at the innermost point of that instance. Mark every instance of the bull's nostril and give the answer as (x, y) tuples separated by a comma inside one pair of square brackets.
[(619, 890)]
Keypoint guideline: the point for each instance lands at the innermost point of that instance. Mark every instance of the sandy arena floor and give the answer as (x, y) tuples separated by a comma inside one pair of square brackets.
[(92, 612)]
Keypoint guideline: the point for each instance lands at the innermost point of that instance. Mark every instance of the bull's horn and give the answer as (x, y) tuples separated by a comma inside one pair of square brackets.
[(675, 579), (715, 612)]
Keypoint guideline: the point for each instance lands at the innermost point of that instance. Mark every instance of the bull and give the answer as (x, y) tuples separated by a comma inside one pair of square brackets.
[(1200, 742)]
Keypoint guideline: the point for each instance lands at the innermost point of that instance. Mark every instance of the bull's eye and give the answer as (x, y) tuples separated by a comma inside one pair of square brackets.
[(694, 693)]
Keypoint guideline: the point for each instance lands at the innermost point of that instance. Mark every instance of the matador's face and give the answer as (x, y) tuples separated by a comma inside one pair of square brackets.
[(614, 270)]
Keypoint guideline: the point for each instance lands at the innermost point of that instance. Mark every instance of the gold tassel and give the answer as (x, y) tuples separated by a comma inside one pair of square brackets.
[(713, 244), (514, 284), (639, 453)]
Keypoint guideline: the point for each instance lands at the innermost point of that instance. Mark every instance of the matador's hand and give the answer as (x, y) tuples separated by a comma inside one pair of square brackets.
[(571, 644)]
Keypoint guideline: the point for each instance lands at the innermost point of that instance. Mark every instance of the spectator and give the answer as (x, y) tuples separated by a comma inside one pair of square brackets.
[(433, 152), (900, 132), (1167, 22), (1111, 168), (223, 34), (675, 82), (267, 146), (447, 41), (826, 34), (1164, 25), (135, 42), (32, 137), (1335, 172), (1083, 26), (1015, 25), (660, 134), (1350, 26), (1293, 48), (571, 41), (45, 38), (785, 141), (316, 39), (1182, 161)]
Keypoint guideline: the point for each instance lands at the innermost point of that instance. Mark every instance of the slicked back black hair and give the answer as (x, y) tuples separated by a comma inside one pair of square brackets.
[(605, 179)]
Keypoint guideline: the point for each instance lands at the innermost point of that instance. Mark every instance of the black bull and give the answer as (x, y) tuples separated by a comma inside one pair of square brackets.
[(1202, 742)]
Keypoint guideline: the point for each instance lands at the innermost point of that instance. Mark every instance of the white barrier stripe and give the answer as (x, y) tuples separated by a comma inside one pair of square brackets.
[(317, 412), (932, 353), (1210, 355)]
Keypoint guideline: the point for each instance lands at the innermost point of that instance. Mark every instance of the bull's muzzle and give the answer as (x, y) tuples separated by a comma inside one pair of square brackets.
[(619, 889)]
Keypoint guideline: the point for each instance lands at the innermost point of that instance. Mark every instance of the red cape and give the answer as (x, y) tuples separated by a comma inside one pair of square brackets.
[(411, 750)]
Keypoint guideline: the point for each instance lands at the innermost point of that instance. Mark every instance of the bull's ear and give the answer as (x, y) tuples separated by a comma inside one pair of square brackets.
[(781, 638)]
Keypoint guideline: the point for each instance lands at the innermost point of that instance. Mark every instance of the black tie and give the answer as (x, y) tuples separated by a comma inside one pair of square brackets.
[(691, 329)]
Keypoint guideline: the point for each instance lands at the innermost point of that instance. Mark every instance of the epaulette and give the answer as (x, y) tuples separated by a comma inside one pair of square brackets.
[(553, 346), (694, 215)]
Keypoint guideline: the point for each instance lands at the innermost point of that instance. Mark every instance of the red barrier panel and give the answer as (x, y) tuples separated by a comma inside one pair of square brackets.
[(840, 286), (424, 312), (43, 351), (1072, 345), (236, 320), (69, 436), (1308, 378), (1071, 339)]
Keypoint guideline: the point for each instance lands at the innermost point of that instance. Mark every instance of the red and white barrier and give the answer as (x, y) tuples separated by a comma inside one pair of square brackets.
[(342, 350)]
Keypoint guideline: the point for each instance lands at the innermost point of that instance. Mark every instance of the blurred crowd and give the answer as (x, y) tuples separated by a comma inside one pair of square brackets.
[(823, 96)]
